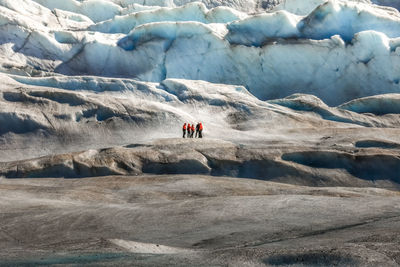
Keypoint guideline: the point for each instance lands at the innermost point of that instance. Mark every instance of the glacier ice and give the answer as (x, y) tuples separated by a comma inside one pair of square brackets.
[(305, 7), (95, 88), (257, 30), (346, 19), (96, 10), (378, 105), (345, 49), (95, 84), (189, 12)]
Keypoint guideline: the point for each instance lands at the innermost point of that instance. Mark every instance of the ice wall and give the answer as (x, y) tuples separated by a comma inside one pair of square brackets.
[(338, 52), (99, 10)]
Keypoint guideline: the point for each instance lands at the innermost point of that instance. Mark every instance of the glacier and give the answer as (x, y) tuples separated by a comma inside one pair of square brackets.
[(346, 49), (162, 63), (300, 103), (186, 60)]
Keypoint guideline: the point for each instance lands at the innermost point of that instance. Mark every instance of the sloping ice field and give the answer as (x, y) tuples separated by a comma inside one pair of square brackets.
[(299, 164)]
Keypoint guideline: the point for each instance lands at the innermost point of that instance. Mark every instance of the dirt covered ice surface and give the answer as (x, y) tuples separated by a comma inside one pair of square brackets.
[(299, 164), (313, 161), (195, 220)]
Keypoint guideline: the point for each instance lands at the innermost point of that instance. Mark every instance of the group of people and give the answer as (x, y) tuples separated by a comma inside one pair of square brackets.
[(190, 130)]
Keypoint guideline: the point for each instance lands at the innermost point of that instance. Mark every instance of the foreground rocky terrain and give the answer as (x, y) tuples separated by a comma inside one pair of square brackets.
[(105, 179), (328, 163), (196, 220), (164, 202)]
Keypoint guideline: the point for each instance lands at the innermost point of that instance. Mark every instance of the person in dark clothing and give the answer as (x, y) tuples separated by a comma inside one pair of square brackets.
[(197, 130), (184, 129)]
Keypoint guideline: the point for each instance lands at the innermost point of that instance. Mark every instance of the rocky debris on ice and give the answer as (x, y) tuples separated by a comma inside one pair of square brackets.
[(359, 165), (117, 220), (178, 65)]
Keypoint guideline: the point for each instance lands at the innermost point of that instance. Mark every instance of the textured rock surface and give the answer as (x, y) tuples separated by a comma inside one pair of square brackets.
[(330, 163), (195, 220)]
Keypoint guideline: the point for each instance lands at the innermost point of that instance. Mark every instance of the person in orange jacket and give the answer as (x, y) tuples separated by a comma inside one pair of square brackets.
[(192, 131), (184, 129), (200, 130), (189, 129)]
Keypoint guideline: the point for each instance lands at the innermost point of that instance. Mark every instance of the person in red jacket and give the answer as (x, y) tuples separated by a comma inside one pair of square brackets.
[(192, 130), (200, 130), (189, 129), (184, 129)]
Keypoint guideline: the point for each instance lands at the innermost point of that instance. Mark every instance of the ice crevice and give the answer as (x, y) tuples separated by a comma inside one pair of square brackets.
[(16, 50)]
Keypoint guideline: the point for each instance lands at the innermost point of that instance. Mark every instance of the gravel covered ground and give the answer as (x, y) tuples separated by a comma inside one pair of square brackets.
[(195, 220)]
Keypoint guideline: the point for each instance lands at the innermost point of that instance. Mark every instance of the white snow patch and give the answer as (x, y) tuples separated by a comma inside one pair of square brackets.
[(148, 248), (96, 10)]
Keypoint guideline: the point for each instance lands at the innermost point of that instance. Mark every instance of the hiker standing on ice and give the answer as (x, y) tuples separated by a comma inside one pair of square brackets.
[(197, 129), (189, 129), (200, 130), (192, 131), (184, 129)]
